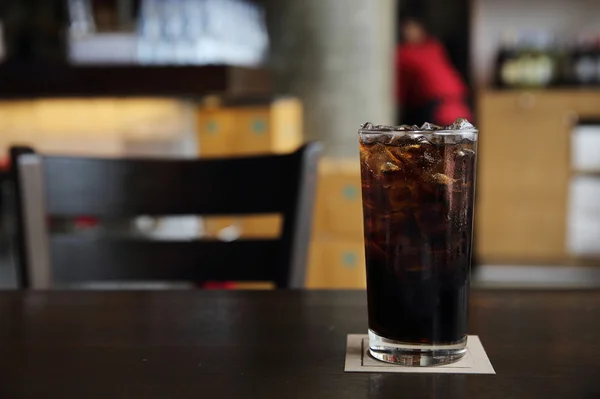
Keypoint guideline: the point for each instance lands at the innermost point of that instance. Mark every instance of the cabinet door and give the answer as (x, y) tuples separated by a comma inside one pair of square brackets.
[(215, 132), (253, 132), (523, 172)]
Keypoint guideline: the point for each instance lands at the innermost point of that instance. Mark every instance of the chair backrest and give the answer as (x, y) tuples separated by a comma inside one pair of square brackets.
[(51, 186)]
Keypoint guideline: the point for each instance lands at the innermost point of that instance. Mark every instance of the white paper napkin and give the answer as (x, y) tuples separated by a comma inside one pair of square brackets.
[(358, 360)]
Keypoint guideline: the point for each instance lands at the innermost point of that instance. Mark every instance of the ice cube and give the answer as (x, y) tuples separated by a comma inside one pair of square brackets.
[(430, 126), (376, 128), (429, 158), (370, 138), (367, 126), (441, 178), (460, 124), (422, 140), (373, 136), (464, 160), (419, 154), (407, 128), (404, 140), (465, 153), (389, 167), (379, 160)]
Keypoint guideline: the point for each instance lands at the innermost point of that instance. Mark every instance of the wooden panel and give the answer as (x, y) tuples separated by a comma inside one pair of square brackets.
[(339, 202), (582, 103), (523, 172), (252, 131), (215, 128), (238, 127), (248, 226), (286, 125), (337, 264)]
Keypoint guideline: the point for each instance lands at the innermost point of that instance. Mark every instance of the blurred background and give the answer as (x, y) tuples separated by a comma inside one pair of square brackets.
[(211, 78)]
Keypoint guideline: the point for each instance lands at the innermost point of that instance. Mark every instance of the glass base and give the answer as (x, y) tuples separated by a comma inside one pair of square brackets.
[(391, 351)]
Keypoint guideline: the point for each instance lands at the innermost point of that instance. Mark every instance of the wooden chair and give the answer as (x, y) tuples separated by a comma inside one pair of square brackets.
[(56, 186)]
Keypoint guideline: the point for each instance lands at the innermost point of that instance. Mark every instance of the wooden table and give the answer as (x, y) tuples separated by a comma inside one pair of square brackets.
[(218, 344)]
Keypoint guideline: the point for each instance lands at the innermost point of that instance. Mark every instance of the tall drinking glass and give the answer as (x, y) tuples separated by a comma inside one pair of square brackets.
[(417, 187)]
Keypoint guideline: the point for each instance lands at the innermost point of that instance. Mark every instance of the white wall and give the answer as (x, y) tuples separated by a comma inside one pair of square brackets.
[(492, 17)]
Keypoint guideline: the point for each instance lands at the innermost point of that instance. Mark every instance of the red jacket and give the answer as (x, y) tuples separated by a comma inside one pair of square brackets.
[(425, 74)]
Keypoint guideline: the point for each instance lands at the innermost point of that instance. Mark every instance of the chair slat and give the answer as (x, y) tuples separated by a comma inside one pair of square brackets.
[(114, 187), (79, 259)]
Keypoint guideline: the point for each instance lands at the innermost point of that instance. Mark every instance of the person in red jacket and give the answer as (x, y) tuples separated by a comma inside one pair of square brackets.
[(428, 87)]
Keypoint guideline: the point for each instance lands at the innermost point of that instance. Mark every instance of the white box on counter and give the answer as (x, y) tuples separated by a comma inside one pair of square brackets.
[(583, 223), (585, 148)]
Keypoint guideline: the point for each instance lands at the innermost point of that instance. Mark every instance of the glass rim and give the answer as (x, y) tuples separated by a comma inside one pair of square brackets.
[(440, 132)]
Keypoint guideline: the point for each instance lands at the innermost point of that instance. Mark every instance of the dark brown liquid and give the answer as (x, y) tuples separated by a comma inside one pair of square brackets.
[(418, 211)]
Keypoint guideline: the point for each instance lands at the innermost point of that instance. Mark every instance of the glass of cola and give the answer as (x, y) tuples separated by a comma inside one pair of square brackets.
[(418, 188)]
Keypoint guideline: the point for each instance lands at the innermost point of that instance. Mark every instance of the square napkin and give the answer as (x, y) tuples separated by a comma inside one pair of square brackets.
[(358, 360)]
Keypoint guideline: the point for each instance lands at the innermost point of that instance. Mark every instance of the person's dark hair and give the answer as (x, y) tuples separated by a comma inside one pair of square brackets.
[(412, 11)]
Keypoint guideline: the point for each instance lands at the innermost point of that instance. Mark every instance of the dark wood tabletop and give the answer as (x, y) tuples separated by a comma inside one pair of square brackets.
[(278, 344)]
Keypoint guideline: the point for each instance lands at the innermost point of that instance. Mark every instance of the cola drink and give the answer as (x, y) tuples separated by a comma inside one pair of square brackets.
[(417, 186)]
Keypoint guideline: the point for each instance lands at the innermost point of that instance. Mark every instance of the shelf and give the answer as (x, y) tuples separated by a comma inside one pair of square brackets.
[(585, 172), (585, 261), (540, 90), (27, 81)]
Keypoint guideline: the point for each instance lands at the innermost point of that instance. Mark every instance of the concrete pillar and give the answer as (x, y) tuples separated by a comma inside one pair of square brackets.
[(337, 57)]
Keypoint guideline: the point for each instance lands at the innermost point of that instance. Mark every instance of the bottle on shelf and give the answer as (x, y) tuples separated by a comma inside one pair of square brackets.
[(583, 61), (527, 60), (506, 75)]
